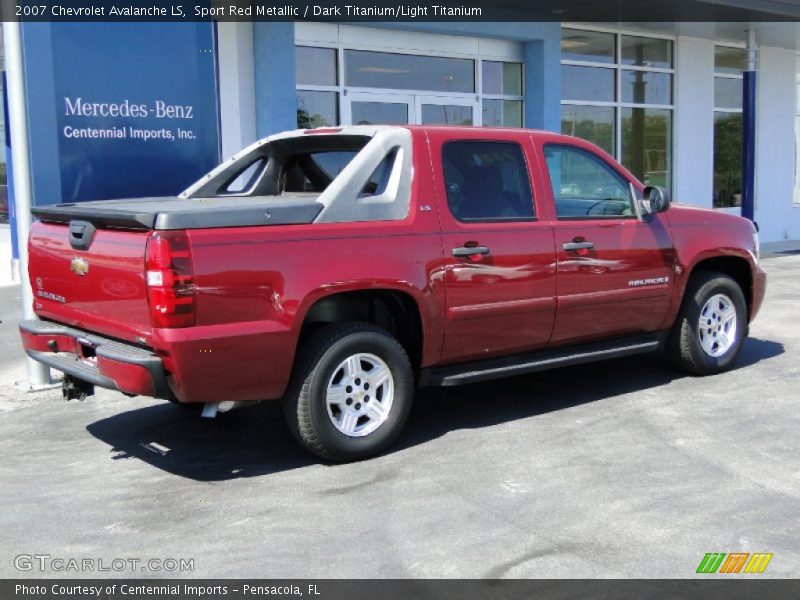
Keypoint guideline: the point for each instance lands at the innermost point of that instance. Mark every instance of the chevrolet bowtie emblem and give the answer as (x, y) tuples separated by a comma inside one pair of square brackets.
[(79, 266)]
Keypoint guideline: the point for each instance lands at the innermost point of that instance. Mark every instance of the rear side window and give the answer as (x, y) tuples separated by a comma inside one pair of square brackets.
[(585, 186), (487, 181)]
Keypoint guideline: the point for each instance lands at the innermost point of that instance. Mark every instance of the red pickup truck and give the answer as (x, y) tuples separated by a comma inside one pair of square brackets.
[(339, 269)]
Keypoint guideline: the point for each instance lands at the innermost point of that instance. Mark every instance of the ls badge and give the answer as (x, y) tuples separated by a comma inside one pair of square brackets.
[(79, 266)]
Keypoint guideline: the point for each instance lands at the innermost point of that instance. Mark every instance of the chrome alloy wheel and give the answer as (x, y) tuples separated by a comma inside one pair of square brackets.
[(717, 325), (360, 394)]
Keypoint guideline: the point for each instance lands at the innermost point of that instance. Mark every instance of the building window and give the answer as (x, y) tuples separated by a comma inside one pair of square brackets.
[(729, 64), (317, 75), (424, 89), (617, 92), (386, 70), (501, 87)]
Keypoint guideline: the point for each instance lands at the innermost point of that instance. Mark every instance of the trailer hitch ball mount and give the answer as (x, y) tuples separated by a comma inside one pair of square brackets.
[(76, 389)]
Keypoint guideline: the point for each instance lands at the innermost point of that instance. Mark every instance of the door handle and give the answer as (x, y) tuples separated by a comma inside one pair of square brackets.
[(470, 251), (573, 246)]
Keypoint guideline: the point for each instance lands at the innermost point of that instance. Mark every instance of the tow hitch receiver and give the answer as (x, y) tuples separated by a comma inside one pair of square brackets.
[(73, 389)]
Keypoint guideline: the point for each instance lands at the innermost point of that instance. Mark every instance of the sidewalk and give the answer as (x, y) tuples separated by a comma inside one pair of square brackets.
[(12, 358), (772, 249)]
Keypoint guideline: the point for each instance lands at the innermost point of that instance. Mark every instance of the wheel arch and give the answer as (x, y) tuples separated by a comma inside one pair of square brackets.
[(736, 267), (393, 310)]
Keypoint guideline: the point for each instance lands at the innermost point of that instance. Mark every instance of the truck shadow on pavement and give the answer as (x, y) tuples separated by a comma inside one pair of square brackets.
[(253, 442)]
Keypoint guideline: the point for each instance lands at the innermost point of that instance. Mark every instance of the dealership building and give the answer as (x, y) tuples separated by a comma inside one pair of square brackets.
[(663, 98)]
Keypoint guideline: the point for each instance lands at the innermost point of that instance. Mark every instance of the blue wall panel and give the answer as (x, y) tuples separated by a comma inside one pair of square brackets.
[(543, 84), (119, 109)]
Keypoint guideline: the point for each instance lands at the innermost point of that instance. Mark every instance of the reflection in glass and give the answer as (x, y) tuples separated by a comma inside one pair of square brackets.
[(446, 114), (645, 87), (379, 113), (502, 78), (727, 92), (585, 186), (408, 71), (646, 52), (729, 61), (317, 109), (591, 46), (592, 123), (646, 147), (587, 83), (727, 159), (502, 113), (315, 66)]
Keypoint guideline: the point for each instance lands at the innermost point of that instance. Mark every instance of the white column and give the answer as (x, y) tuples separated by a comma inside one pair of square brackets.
[(777, 216), (38, 374), (693, 148), (236, 86)]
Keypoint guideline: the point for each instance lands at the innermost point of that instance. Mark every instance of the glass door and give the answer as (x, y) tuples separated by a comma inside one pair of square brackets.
[(446, 110), (364, 108), (368, 108)]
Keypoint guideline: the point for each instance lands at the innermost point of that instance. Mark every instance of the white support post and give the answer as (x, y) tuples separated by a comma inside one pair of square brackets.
[(236, 86), (38, 374)]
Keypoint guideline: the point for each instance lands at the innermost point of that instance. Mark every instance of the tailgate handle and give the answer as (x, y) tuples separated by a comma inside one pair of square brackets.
[(81, 234)]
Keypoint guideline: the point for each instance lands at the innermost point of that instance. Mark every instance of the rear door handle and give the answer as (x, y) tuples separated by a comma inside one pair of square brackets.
[(573, 246), (470, 250)]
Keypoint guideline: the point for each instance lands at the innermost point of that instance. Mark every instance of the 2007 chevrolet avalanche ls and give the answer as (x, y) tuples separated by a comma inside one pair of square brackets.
[(339, 269)]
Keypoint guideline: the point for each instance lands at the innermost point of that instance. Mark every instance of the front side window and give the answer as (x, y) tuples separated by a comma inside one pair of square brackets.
[(487, 181), (584, 186)]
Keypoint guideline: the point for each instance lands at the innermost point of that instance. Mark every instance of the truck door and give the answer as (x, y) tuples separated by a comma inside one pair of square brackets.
[(499, 259), (615, 272)]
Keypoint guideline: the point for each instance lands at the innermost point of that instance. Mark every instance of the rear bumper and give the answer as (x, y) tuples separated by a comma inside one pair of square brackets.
[(99, 360)]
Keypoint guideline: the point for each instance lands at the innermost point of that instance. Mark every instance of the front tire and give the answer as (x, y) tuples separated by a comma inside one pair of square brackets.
[(711, 325), (351, 392)]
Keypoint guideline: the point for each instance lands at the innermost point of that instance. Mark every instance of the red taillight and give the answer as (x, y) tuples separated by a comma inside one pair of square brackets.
[(170, 280)]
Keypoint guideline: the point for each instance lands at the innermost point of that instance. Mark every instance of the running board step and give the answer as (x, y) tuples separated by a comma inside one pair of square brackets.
[(521, 364)]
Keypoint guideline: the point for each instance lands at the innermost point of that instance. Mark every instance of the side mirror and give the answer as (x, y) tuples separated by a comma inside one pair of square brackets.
[(656, 199)]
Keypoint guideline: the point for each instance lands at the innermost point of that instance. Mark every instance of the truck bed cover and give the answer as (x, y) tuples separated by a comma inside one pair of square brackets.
[(186, 213)]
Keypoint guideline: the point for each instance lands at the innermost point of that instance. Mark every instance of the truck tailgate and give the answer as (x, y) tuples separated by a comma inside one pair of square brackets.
[(101, 288)]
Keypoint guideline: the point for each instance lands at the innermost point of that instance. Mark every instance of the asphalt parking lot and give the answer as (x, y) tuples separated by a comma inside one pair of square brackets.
[(619, 469)]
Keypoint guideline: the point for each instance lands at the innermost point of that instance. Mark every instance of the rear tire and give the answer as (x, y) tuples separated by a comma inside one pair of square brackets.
[(351, 392), (712, 323)]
